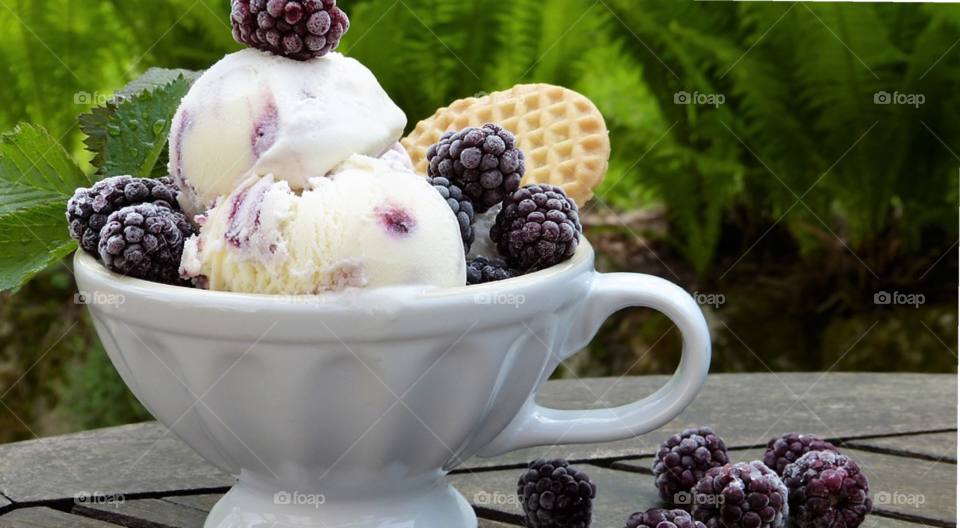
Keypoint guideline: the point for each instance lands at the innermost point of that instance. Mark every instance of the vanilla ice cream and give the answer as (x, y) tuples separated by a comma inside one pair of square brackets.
[(368, 224), (398, 157), (254, 112)]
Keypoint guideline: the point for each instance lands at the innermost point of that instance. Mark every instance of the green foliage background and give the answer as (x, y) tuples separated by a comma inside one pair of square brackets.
[(856, 197)]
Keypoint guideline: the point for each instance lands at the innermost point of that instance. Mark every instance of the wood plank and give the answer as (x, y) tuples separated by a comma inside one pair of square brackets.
[(144, 513), (879, 521), (204, 503), (141, 458), (198, 502), (935, 483), (619, 494), (932, 446), (747, 409), (47, 518), (486, 523), (131, 459)]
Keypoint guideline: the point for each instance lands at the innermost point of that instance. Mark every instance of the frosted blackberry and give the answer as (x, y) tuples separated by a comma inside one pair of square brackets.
[(481, 270), (298, 29), (741, 495), (461, 206), (658, 518), (537, 227), (827, 490), (555, 494), (88, 210), (790, 447), (485, 162), (685, 458), (145, 241)]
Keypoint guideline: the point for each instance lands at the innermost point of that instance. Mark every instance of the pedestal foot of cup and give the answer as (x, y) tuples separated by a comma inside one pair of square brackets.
[(437, 506)]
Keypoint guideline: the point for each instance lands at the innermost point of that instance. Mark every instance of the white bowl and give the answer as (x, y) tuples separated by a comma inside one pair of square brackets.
[(349, 409)]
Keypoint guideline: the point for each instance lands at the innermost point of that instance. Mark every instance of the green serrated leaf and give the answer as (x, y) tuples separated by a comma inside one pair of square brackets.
[(94, 127), (129, 134), (15, 197), (37, 177), (137, 134), (31, 157), (155, 78), (30, 240)]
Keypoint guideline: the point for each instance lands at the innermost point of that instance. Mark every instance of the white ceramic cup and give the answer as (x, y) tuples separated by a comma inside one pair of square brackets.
[(348, 410)]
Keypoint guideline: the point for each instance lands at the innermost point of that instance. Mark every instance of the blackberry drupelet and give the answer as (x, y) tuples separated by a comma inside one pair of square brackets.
[(741, 495), (145, 241), (88, 210), (555, 494), (659, 518), (461, 206), (788, 448), (827, 490), (485, 162), (683, 459), (481, 270), (297, 29), (537, 227)]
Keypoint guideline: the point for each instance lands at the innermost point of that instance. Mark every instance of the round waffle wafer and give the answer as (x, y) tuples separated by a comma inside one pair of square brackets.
[(561, 132)]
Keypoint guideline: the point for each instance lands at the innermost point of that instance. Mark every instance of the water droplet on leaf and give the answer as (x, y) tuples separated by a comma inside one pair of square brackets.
[(113, 130), (133, 124), (134, 153)]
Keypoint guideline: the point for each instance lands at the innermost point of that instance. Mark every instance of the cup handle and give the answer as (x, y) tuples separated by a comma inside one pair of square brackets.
[(536, 425)]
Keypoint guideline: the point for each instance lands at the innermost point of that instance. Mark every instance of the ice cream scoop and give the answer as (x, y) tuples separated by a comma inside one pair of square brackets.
[(254, 112), (368, 224)]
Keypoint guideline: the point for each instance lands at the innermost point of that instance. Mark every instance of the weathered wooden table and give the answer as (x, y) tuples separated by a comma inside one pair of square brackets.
[(901, 428)]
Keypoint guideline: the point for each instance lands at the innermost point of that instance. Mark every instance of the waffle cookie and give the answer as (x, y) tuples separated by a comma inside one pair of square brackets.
[(561, 132)]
